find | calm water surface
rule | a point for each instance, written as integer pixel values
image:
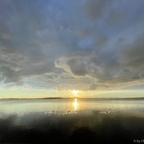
(71, 121)
(22, 107)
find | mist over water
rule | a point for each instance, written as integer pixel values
(71, 121)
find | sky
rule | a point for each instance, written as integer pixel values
(50, 47)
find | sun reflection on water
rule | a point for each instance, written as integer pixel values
(76, 105)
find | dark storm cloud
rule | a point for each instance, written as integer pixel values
(89, 44)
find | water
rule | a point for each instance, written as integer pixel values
(22, 107)
(69, 120)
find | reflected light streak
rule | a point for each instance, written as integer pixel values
(75, 104)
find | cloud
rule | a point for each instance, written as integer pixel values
(95, 8)
(121, 61)
(86, 44)
(21, 52)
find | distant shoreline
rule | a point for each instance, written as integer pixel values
(131, 98)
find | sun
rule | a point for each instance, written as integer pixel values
(75, 92)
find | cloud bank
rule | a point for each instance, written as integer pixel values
(86, 44)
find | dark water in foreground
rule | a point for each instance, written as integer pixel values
(71, 121)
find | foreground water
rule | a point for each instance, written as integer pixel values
(24, 106)
(72, 121)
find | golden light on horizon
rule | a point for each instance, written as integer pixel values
(75, 92)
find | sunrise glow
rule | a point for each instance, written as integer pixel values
(75, 92)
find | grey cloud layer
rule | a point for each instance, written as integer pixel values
(120, 61)
(83, 44)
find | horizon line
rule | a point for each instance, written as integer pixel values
(112, 98)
